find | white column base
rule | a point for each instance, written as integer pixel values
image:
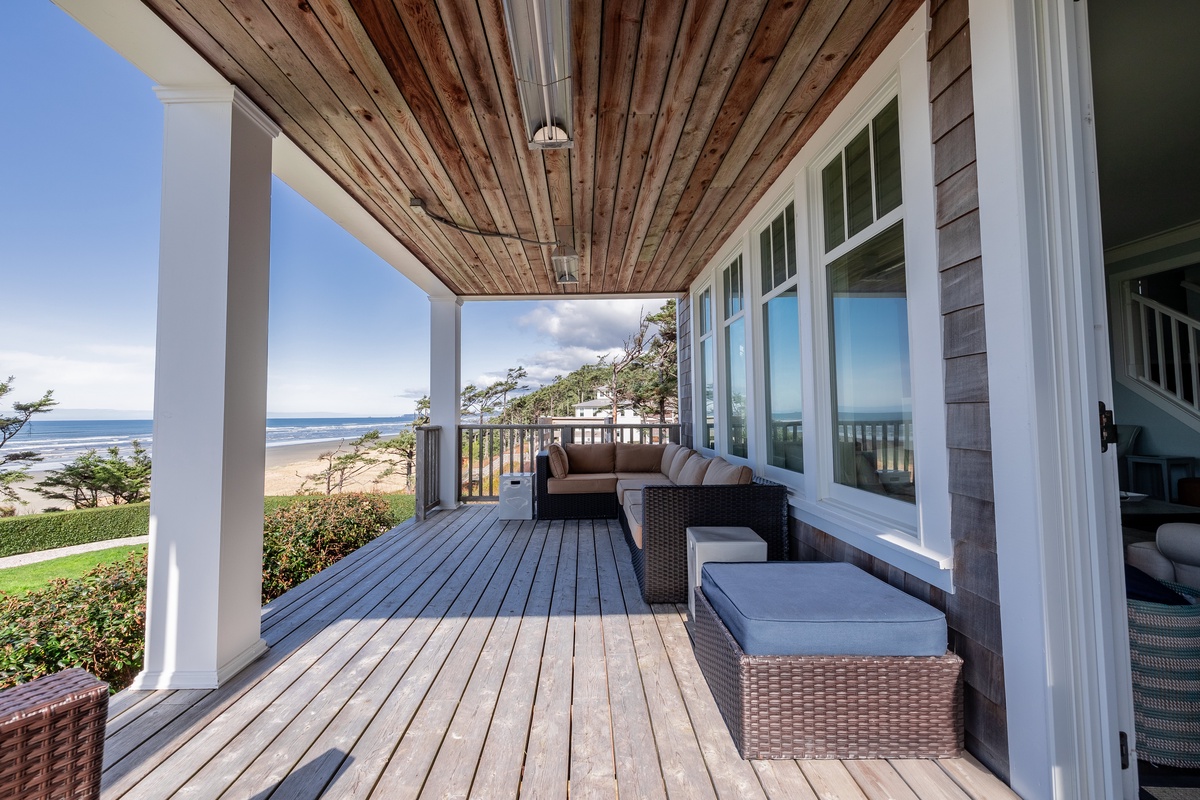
(206, 679)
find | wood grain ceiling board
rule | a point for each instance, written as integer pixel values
(685, 111)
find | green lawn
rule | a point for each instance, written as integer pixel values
(34, 576)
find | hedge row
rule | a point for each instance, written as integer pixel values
(98, 621)
(33, 532)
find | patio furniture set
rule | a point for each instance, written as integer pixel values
(805, 660)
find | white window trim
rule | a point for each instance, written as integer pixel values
(699, 418)
(923, 548)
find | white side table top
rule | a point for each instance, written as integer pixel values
(722, 534)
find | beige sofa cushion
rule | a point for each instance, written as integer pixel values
(681, 457)
(592, 457)
(632, 508)
(639, 457)
(583, 483)
(559, 466)
(721, 471)
(634, 481)
(668, 455)
(693, 471)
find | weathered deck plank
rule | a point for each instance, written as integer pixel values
(469, 656)
(547, 764)
(638, 771)
(499, 771)
(593, 767)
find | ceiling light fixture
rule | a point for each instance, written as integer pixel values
(564, 258)
(539, 39)
(566, 264)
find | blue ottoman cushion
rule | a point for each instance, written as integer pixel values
(784, 608)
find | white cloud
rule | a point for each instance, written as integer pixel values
(578, 332)
(599, 325)
(93, 376)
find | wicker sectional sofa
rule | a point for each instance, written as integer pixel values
(657, 492)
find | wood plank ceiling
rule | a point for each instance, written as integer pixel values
(685, 111)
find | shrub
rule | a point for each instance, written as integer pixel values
(33, 532)
(305, 537)
(97, 622)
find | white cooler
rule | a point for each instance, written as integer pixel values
(516, 496)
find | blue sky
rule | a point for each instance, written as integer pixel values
(79, 206)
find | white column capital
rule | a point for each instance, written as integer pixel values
(220, 93)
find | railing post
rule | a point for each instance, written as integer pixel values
(427, 493)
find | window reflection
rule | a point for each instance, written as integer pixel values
(781, 328)
(872, 390)
(735, 368)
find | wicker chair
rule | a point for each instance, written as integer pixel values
(1164, 645)
(668, 511)
(52, 737)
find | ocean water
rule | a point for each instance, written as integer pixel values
(60, 441)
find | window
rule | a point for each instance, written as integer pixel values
(703, 314)
(781, 342)
(870, 382)
(734, 322)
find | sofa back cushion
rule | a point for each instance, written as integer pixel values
(559, 466)
(591, 457)
(721, 471)
(668, 455)
(693, 471)
(639, 457)
(677, 463)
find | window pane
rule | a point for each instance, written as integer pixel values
(764, 259)
(735, 403)
(706, 382)
(789, 218)
(858, 183)
(835, 209)
(872, 392)
(704, 311)
(887, 157)
(781, 334)
(733, 288)
(778, 252)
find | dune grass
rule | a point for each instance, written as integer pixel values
(17, 580)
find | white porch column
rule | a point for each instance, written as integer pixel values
(206, 513)
(445, 382)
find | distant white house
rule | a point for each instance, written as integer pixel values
(601, 408)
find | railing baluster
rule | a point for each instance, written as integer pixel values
(1192, 363)
(1176, 357)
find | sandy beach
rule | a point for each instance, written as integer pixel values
(287, 469)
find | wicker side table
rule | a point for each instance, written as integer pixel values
(52, 737)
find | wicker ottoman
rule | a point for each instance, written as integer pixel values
(844, 707)
(52, 737)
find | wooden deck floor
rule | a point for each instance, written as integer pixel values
(469, 657)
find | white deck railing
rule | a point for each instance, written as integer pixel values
(490, 451)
